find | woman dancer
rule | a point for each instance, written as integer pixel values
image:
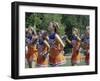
(86, 45)
(76, 57)
(31, 53)
(43, 50)
(56, 57)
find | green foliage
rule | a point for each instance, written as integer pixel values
(66, 22)
(42, 20)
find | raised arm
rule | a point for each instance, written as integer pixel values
(47, 44)
(59, 39)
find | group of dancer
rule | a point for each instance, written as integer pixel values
(43, 49)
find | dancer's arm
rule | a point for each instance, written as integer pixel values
(59, 39)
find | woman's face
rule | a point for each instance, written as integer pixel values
(50, 27)
(30, 31)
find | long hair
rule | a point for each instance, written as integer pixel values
(56, 27)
